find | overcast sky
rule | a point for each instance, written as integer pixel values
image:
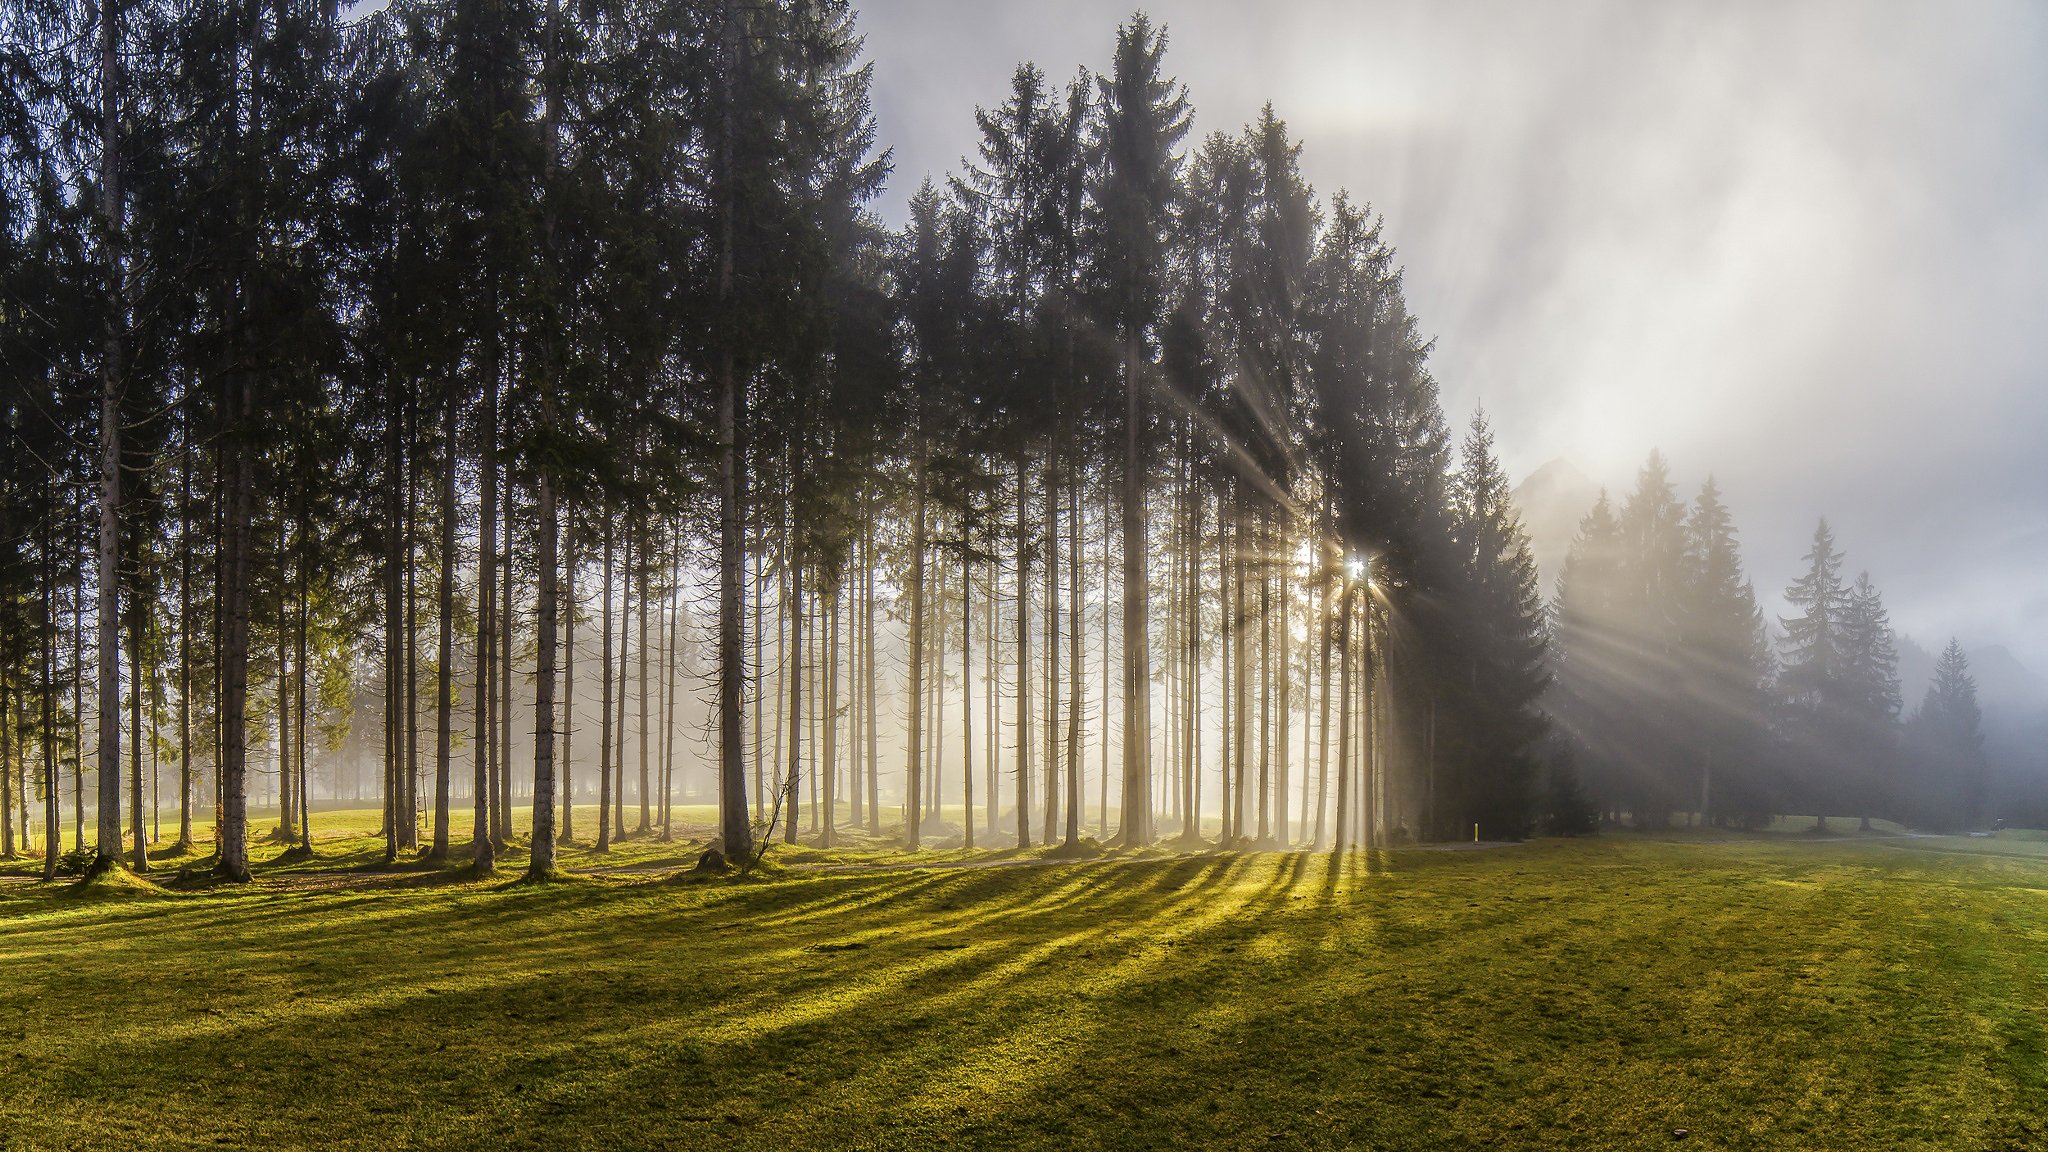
(1802, 246)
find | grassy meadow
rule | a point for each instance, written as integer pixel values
(1759, 992)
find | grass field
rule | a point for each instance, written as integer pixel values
(1606, 993)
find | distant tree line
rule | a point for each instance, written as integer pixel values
(368, 381)
(1675, 699)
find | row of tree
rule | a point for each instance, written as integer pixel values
(1675, 696)
(354, 369)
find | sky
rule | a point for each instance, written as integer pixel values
(1801, 246)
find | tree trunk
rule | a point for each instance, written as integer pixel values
(913, 806)
(1076, 697)
(409, 827)
(1023, 662)
(1050, 618)
(792, 777)
(1263, 543)
(234, 824)
(137, 613)
(1323, 699)
(569, 607)
(184, 646)
(617, 816)
(604, 736)
(1136, 831)
(542, 860)
(828, 760)
(966, 699)
(668, 691)
(108, 574)
(874, 749)
(1344, 719)
(501, 780)
(484, 851)
(734, 832)
(444, 674)
(646, 796)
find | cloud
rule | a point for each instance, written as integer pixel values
(1799, 245)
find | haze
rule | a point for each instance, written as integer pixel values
(1798, 247)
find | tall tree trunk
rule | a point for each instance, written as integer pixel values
(1076, 697)
(52, 846)
(1023, 660)
(617, 815)
(234, 824)
(444, 673)
(966, 699)
(394, 651)
(1263, 543)
(547, 527)
(542, 861)
(734, 832)
(828, 762)
(569, 610)
(646, 797)
(501, 779)
(7, 773)
(1193, 719)
(299, 696)
(1102, 775)
(484, 851)
(1282, 757)
(913, 805)
(137, 610)
(184, 645)
(1136, 830)
(1050, 621)
(409, 827)
(668, 690)
(990, 707)
(874, 749)
(604, 736)
(1344, 718)
(112, 366)
(1323, 703)
(759, 742)
(792, 777)
(287, 823)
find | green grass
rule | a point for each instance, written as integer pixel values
(1762, 993)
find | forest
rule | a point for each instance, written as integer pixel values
(1673, 694)
(551, 597)
(365, 375)
(461, 407)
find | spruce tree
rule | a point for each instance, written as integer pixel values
(1503, 644)
(1953, 784)
(1726, 664)
(1144, 115)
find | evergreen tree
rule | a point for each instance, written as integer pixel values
(1726, 664)
(1144, 115)
(1870, 701)
(1952, 788)
(1504, 645)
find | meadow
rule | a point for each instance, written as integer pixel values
(1773, 991)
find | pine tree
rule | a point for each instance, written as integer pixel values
(1726, 664)
(1592, 693)
(1503, 644)
(1953, 785)
(1870, 688)
(1144, 117)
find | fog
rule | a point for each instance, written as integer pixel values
(1801, 247)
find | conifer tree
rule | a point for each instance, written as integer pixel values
(1144, 117)
(1953, 784)
(1726, 664)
